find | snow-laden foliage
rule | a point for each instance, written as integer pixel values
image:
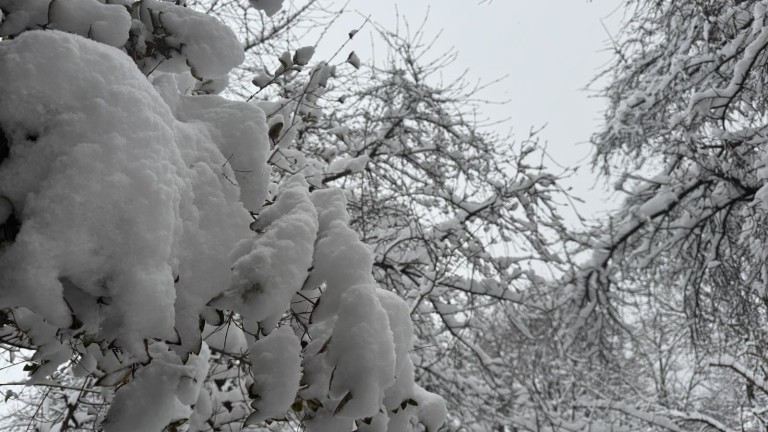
(660, 329)
(139, 263)
(463, 223)
(105, 23)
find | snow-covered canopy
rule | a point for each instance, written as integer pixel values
(134, 204)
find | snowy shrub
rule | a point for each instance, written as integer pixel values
(138, 256)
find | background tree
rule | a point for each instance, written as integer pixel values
(464, 223)
(674, 295)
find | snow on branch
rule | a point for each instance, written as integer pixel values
(143, 256)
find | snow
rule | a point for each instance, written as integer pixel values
(115, 194)
(350, 164)
(363, 355)
(228, 338)
(660, 202)
(141, 201)
(354, 60)
(160, 393)
(432, 409)
(341, 260)
(211, 86)
(89, 163)
(340, 132)
(272, 266)
(317, 369)
(719, 98)
(235, 127)
(270, 7)
(401, 326)
(49, 358)
(22, 15)
(360, 334)
(262, 79)
(216, 219)
(203, 410)
(286, 60)
(378, 423)
(206, 46)
(303, 55)
(104, 23)
(325, 421)
(276, 370)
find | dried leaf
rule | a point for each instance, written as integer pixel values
(347, 397)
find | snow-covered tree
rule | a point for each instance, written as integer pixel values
(461, 220)
(674, 298)
(159, 277)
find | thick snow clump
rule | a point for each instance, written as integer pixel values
(132, 208)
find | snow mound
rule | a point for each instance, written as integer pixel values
(350, 164)
(341, 260)
(276, 370)
(270, 268)
(116, 197)
(357, 361)
(105, 23)
(363, 354)
(160, 393)
(189, 39)
(140, 210)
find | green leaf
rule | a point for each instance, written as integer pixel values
(76, 323)
(193, 72)
(297, 406)
(314, 404)
(175, 425)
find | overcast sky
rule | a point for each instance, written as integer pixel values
(549, 49)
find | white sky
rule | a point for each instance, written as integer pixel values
(550, 50)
